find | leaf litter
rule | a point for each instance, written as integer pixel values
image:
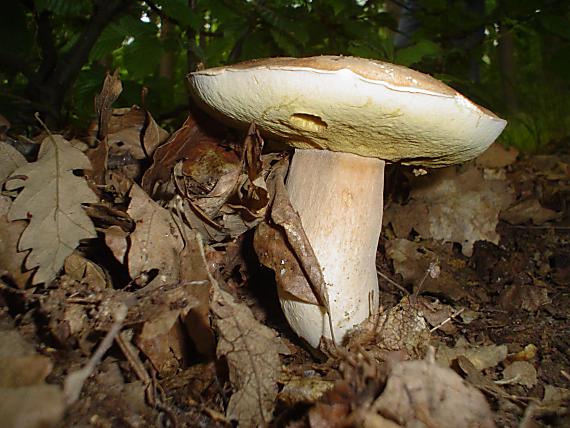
(473, 262)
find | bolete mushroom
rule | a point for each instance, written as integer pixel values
(345, 117)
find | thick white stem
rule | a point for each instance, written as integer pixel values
(339, 198)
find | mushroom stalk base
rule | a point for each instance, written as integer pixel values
(339, 198)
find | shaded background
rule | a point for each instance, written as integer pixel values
(512, 56)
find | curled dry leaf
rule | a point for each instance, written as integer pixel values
(272, 250)
(133, 132)
(112, 88)
(251, 351)
(236, 198)
(454, 204)
(99, 148)
(284, 247)
(51, 200)
(222, 194)
(183, 144)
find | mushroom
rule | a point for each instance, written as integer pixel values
(345, 117)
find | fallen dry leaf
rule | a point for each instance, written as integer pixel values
(528, 210)
(522, 373)
(78, 268)
(552, 167)
(529, 297)
(20, 365)
(497, 156)
(437, 314)
(194, 271)
(51, 200)
(477, 379)
(422, 393)
(11, 260)
(401, 328)
(227, 196)
(155, 243)
(306, 389)
(454, 204)
(161, 340)
(167, 311)
(116, 240)
(251, 352)
(555, 394)
(37, 406)
(25, 400)
(10, 160)
(482, 357)
(412, 260)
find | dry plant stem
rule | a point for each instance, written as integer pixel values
(74, 381)
(339, 198)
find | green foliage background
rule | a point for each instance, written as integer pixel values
(54, 53)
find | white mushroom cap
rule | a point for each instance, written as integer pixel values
(352, 105)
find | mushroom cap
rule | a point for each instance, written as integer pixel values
(347, 104)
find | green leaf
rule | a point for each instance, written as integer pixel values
(181, 12)
(285, 43)
(142, 56)
(88, 84)
(257, 45)
(65, 7)
(116, 33)
(414, 54)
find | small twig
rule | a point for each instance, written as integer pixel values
(394, 283)
(432, 270)
(445, 321)
(73, 383)
(205, 261)
(508, 381)
(130, 353)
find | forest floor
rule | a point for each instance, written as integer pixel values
(473, 330)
